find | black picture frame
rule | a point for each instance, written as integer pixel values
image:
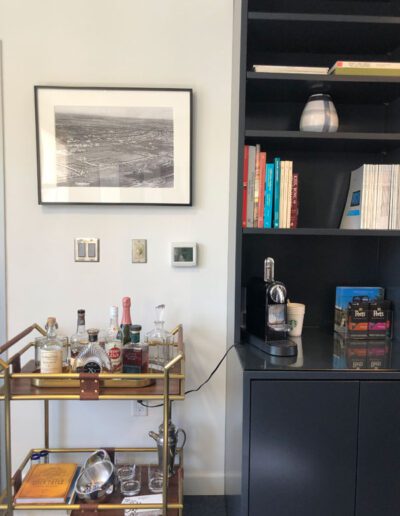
(117, 146)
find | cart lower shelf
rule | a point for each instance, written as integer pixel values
(112, 505)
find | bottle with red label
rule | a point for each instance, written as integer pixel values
(113, 344)
(136, 354)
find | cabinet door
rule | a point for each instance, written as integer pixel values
(378, 478)
(303, 443)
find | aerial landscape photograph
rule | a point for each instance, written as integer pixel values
(130, 147)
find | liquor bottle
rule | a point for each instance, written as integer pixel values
(159, 341)
(126, 321)
(64, 342)
(78, 339)
(93, 358)
(136, 353)
(113, 345)
(51, 351)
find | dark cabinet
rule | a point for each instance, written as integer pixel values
(378, 472)
(311, 443)
(303, 448)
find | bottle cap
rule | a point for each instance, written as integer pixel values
(51, 321)
(93, 333)
(81, 311)
(126, 301)
(113, 311)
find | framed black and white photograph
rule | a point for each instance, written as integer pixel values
(113, 145)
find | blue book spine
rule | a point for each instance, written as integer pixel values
(277, 185)
(269, 195)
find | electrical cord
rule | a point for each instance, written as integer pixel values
(200, 386)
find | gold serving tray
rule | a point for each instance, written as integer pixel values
(107, 382)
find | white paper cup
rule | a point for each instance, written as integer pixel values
(295, 313)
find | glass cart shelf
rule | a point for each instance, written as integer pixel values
(20, 381)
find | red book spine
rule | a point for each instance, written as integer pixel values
(263, 164)
(245, 179)
(294, 211)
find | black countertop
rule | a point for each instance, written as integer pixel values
(324, 354)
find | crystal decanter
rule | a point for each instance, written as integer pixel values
(159, 341)
(93, 358)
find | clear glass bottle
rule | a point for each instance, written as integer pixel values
(51, 351)
(92, 358)
(64, 342)
(113, 345)
(126, 321)
(136, 354)
(78, 339)
(160, 341)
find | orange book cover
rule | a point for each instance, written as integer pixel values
(47, 483)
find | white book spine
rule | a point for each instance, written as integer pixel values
(282, 190)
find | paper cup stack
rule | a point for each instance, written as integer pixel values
(295, 312)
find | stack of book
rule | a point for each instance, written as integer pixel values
(373, 201)
(270, 191)
(365, 68)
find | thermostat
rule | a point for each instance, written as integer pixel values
(184, 254)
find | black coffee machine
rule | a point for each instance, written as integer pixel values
(266, 313)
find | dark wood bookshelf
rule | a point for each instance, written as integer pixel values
(312, 260)
(319, 33)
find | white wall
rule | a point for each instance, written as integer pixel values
(170, 43)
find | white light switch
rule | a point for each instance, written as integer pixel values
(87, 250)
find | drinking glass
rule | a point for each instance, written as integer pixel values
(125, 472)
(132, 485)
(155, 479)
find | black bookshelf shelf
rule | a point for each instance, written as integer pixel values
(340, 35)
(344, 89)
(323, 18)
(371, 142)
(322, 232)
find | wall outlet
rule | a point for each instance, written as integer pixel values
(138, 409)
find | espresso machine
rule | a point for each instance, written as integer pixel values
(266, 314)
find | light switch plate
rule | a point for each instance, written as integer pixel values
(86, 249)
(139, 251)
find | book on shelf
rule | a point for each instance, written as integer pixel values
(373, 198)
(250, 185)
(48, 483)
(256, 186)
(270, 191)
(282, 194)
(368, 68)
(318, 70)
(277, 186)
(244, 186)
(269, 195)
(261, 195)
(294, 206)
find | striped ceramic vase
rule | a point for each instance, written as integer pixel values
(319, 115)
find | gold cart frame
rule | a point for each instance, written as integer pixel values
(12, 373)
